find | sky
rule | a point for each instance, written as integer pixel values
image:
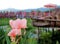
(25, 4)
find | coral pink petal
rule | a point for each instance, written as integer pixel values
(14, 32)
(23, 23)
(18, 23)
(11, 22)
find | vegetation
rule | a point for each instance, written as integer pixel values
(29, 38)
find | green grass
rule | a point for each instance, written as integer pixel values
(5, 21)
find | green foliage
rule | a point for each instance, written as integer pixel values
(46, 37)
(4, 39)
(4, 21)
(29, 24)
(32, 41)
(13, 42)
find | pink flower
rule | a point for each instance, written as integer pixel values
(18, 23)
(16, 26)
(14, 32)
(23, 23)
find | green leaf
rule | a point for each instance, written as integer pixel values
(32, 41)
(13, 42)
(7, 40)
